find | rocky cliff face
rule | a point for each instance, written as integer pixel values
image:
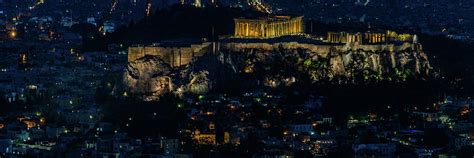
(149, 77)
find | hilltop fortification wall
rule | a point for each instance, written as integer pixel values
(152, 77)
(179, 56)
(322, 49)
(175, 56)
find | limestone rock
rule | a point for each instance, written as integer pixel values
(200, 82)
(148, 77)
(275, 65)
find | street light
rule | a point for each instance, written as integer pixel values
(13, 34)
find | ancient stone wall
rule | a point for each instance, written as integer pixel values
(322, 49)
(154, 75)
(175, 56)
(178, 56)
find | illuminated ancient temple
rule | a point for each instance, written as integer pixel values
(268, 27)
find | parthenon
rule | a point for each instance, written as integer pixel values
(268, 27)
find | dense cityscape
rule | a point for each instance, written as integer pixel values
(236, 78)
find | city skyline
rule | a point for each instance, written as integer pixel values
(236, 78)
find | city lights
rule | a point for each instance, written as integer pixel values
(236, 78)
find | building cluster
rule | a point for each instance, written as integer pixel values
(43, 75)
(253, 118)
(38, 21)
(299, 129)
(58, 83)
(294, 130)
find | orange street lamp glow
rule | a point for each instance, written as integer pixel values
(13, 34)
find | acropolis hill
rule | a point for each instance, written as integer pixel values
(204, 65)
